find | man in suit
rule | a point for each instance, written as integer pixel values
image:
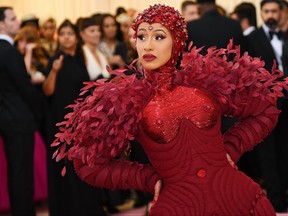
(267, 42)
(212, 29)
(189, 10)
(20, 108)
(245, 13)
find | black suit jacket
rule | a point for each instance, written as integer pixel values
(20, 102)
(212, 29)
(258, 45)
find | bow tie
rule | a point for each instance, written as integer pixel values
(278, 34)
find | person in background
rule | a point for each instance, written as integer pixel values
(245, 13)
(47, 30)
(190, 10)
(36, 58)
(66, 73)
(125, 22)
(95, 61)
(283, 23)
(212, 23)
(30, 20)
(120, 10)
(267, 42)
(110, 45)
(20, 111)
(221, 10)
(131, 45)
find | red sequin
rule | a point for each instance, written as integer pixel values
(201, 173)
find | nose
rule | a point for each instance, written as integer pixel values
(148, 45)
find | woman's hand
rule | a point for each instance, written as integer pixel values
(116, 59)
(30, 47)
(37, 78)
(231, 162)
(157, 189)
(57, 64)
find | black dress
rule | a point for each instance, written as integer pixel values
(68, 195)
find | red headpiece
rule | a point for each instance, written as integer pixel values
(171, 19)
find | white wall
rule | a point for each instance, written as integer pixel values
(72, 9)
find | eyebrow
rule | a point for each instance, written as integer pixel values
(157, 30)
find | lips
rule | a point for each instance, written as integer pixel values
(149, 57)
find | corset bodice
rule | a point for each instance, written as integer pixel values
(163, 114)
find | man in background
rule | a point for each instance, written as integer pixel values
(189, 10)
(20, 108)
(213, 29)
(267, 42)
(245, 13)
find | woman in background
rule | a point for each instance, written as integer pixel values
(110, 45)
(35, 57)
(96, 62)
(66, 73)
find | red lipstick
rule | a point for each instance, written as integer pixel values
(149, 57)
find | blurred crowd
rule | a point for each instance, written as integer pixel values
(60, 57)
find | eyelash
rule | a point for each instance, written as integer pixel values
(157, 37)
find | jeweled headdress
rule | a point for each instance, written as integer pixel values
(171, 19)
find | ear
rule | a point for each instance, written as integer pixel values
(2, 24)
(82, 35)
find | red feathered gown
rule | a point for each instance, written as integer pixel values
(179, 128)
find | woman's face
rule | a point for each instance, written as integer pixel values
(67, 39)
(21, 46)
(91, 35)
(109, 27)
(48, 30)
(154, 45)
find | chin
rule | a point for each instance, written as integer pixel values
(150, 67)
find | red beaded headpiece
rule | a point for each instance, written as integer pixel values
(171, 19)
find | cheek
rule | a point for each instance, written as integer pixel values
(73, 40)
(167, 50)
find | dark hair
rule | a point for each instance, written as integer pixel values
(284, 4)
(68, 23)
(79, 53)
(49, 20)
(187, 3)
(120, 10)
(279, 2)
(2, 12)
(87, 22)
(98, 18)
(246, 10)
(119, 33)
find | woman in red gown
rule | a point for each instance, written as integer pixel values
(175, 114)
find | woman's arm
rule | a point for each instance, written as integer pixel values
(117, 174)
(49, 84)
(257, 120)
(28, 56)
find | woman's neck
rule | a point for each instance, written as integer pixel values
(110, 40)
(69, 51)
(91, 47)
(162, 77)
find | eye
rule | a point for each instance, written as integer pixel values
(141, 37)
(160, 37)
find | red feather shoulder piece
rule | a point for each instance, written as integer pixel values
(103, 123)
(230, 77)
